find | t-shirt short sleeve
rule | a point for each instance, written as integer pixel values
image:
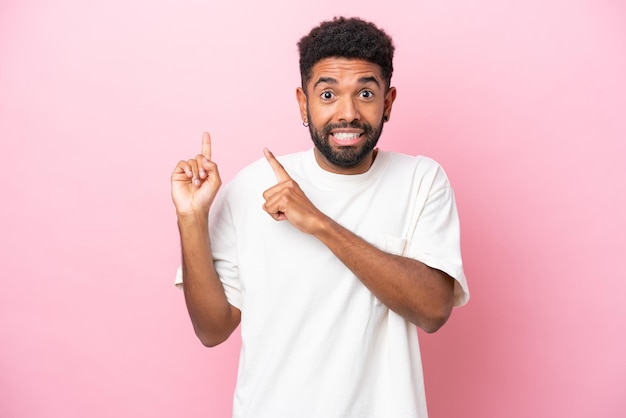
(435, 237)
(224, 251)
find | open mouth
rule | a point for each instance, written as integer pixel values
(346, 138)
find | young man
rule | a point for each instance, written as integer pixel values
(329, 257)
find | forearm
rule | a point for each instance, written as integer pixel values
(213, 318)
(420, 294)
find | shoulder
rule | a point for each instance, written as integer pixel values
(415, 172)
(418, 165)
(410, 160)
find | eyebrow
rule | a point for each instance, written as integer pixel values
(362, 80)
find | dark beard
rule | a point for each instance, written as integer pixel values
(345, 156)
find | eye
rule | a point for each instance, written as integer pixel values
(327, 95)
(366, 94)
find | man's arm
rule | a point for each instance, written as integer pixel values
(420, 294)
(194, 186)
(417, 292)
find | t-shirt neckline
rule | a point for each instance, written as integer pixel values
(327, 179)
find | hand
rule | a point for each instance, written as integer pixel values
(286, 201)
(196, 182)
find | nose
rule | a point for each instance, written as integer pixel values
(348, 110)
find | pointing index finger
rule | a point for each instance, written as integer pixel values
(279, 170)
(206, 145)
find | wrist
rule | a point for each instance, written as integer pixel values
(324, 227)
(193, 217)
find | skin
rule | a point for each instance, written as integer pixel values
(195, 183)
(345, 95)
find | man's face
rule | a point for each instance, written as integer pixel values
(345, 104)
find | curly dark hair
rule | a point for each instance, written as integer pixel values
(346, 38)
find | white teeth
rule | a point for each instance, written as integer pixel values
(345, 136)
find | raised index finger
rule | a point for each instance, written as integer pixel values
(279, 170)
(206, 145)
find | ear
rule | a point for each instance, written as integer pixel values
(390, 97)
(301, 96)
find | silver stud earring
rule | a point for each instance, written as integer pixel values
(305, 124)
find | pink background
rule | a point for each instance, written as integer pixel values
(523, 102)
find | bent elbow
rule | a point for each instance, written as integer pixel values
(210, 340)
(210, 343)
(217, 330)
(433, 326)
(211, 336)
(435, 321)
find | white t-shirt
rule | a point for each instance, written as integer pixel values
(315, 341)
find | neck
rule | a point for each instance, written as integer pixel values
(359, 168)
